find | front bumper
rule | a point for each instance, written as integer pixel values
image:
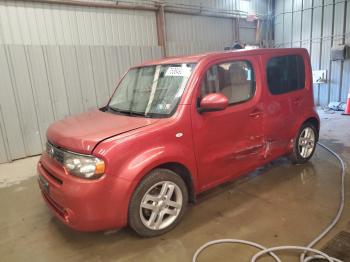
(84, 205)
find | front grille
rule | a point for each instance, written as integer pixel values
(56, 179)
(56, 207)
(55, 153)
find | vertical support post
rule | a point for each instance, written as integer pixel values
(301, 24)
(233, 31)
(312, 25)
(257, 32)
(237, 30)
(342, 62)
(271, 18)
(160, 20)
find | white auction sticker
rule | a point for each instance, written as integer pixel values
(178, 71)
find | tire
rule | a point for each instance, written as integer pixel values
(158, 203)
(298, 156)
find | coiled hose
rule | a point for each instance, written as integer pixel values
(303, 257)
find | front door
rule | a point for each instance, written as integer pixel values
(231, 141)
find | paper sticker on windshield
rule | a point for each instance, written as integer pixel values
(178, 71)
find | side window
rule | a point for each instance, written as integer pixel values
(235, 80)
(285, 74)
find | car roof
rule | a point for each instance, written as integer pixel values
(217, 55)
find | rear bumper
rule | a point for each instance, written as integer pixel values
(84, 205)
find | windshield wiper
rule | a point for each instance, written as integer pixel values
(118, 110)
(128, 112)
(134, 113)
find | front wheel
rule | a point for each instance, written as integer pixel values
(304, 144)
(158, 203)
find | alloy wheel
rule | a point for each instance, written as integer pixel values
(161, 205)
(306, 142)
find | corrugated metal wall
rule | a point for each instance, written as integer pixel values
(57, 60)
(317, 25)
(257, 6)
(188, 34)
(41, 84)
(28, 23)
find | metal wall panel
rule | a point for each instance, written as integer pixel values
(247, 32)
(40, 90)
(25, 22)
(316, 44)
(113, 69)
(346, 68)
(306, 25)
(337, 66)
(279, 23)
(72, 81)
(41, 84)
(57, 82)
(99, 75)
(288, 23)
(325, 50)
(297, 21)
(320, 24)
(9, 120)
(188, 34)
(25, 99)
(224, 4)
(260, 6)
(85, 77)
(279, 26)
(250, 6)
(3, 150)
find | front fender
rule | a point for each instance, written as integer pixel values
(141, 164)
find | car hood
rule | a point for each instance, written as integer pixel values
(81, 133)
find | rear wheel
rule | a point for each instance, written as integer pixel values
(304, 144)
(158, 203)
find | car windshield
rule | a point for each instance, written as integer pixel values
(151, 91)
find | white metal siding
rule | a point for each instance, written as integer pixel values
(248, 6)
(317, 25)
(188, 34)
(28, 23)
(41, 84)
(58, 60)
(247, 31)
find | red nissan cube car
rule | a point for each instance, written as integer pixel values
(173, 129)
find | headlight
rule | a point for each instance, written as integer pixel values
(83, 166)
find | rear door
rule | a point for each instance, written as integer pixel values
(285, 99)
(230, 141)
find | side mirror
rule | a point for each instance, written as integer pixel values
(213, 102)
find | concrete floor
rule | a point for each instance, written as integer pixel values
(278, 204)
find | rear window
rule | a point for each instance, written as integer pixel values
(285, 74)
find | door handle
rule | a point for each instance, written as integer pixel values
(297, 101)
(255, 113)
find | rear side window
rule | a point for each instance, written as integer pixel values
(285, 74)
